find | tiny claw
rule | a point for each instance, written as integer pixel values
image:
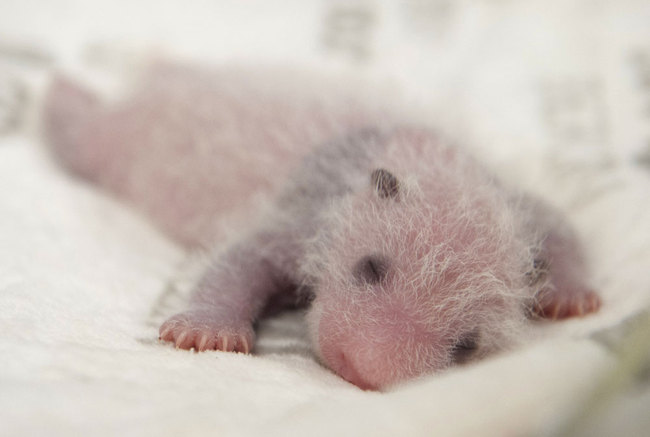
(244, 344)
(180, 339)
(201, 346)
(224, 344)
(163, 334)
(555, 311)
(578, 309)
(594, 302)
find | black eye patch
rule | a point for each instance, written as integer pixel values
(386, 185)
(371, 269)
(538, 272)
(465, 347)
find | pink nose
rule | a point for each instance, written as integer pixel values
(344, 367)
(366, 356)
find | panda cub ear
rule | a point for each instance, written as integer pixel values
(385, 184)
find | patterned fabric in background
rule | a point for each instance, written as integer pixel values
(553, 94)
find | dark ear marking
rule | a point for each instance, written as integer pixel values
(385, 183)
(371, 269)
(465, 347)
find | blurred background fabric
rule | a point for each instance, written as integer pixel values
(554, 95)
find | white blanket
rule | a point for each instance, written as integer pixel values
(554, 95)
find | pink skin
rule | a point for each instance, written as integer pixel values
(415, 268)
(390, 338)
(146, 149)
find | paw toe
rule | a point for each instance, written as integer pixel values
(592, 303)
(243, 345)
(203, 342)
(185, 339)
(165, 333)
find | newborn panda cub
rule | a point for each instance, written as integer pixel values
(411, 255)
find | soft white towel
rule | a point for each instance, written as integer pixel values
(552, 94)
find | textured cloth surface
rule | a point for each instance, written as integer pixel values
(553, 95)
